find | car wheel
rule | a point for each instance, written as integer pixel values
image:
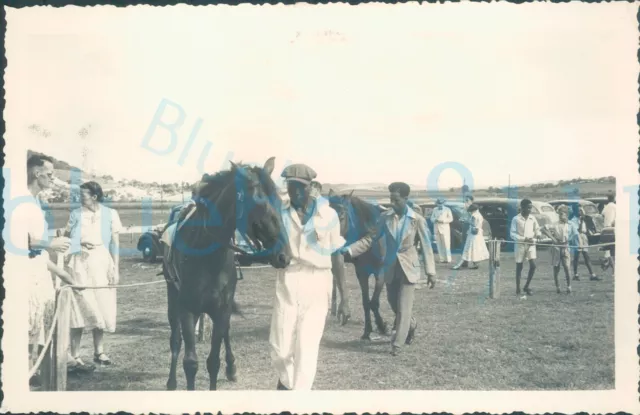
(148, 254)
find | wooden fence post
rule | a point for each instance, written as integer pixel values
(61, 340)
(494, 269)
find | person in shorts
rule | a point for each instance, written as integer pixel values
(561, 233)
(524, 232)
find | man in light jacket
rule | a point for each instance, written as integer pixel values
(303, 289)
(401, 267)
(441, 217)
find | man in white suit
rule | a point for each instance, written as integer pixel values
(303, 289)
(441, 217)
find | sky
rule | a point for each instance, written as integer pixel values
(363, 94)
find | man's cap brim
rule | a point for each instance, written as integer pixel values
(299, 180)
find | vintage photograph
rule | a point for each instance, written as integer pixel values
(376, 198)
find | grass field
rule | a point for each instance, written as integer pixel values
(464, 340)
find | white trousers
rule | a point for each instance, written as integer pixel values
(302, 300)
(443, 242)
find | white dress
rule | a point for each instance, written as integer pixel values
(475, 248)
(93, 309)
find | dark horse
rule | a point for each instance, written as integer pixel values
(357, 219)
(199, 265)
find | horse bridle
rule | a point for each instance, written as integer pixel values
(238, 217)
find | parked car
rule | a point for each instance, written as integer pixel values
(458, 227)
(600, 202)
(544, 208)
(499, 212)
(591, 212)
(150, 246)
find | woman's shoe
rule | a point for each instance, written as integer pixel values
(102, 359)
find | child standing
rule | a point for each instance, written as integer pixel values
(581, 240)
(561, 233)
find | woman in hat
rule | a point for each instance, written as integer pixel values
(475, 248)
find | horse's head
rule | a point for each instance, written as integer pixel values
(257, 207)
(357, 217)
(258, 212)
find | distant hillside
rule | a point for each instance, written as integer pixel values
(135, 190)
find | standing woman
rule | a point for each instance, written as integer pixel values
(475, 248)
(582, 242)
(94, 229)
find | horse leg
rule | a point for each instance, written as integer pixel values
(230, 358)
(363, 280)
(220, 328)
(190, 360)
(175, 341)
(334, 297)
(375, 306)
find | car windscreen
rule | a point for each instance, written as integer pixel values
(590, 209)
(458, 211)
(546, 208)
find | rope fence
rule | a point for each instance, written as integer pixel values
(494, 247)
(54, 352)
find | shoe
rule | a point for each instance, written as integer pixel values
(281, 387)
(558, 290)
(35, 381)
(528, 291)
(395, 351)
(576, 278)
(518, 292)
(78, 366)
(568, 290)
(594, 278)
(412, 333)
(101, 359)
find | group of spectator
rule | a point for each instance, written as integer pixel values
(569, 237)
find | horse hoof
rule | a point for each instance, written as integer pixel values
(232, 375)
(383, 329)
(366, 337)
(172, 385)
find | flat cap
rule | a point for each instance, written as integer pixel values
(300, 173)
(440, 201)
(402, 188)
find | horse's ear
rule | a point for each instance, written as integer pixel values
(269, 166)
(332, 193)
(351, 194)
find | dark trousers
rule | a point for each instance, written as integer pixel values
(400, 293)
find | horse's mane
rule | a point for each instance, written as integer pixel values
(218, 191)
(364, 215)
